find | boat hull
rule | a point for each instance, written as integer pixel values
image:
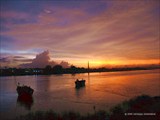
(24, 90)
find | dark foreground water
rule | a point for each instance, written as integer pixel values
(57, 92)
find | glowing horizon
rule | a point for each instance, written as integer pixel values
(97, 64)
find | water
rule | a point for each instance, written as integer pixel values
(57, 92)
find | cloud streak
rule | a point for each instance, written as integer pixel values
(123, 31)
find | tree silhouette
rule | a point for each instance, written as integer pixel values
(58, 69)
(48, 69)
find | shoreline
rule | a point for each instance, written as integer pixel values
(139, 107)
(118, 70)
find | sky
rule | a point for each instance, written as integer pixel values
(103, 32)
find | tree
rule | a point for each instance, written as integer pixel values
(48, 69)
(58, 69)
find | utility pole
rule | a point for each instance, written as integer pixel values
(88, 67)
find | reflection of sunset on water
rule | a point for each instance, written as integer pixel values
(103, 90)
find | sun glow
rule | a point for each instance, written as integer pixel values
(111, 63)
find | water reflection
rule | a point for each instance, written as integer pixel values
(43, 84)
(26, 102)
(102, 90)
(80, 91)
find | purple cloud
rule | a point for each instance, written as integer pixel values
(119, 31)
(4, 60)
(42, 60)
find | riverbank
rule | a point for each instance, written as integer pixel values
(142, 107)
(40, 71)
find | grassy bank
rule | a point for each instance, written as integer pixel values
(139, 108)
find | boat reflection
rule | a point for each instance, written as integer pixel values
(79, 92)
(25, 101)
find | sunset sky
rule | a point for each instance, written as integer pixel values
(104, 32)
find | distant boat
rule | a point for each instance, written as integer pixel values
(24, 90)
(80, 83)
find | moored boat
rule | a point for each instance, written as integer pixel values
(24, 90)
(80, 83)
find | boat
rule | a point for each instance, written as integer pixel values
(80, 83)
(25, 95)
(24, 90)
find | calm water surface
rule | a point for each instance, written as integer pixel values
(57, 92)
